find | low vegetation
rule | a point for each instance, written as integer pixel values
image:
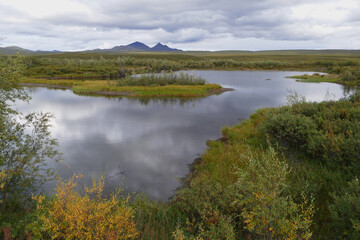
(131, 89)
(162, 79)
(112, 66)
(348, 75)
(72, 215)
(79, 69)
(286, 173)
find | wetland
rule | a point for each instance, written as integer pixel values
(147, 144)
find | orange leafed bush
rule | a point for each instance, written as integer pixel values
(71, 215)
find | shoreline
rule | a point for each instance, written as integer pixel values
(210, 92)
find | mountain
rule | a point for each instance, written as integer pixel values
(133, 47)
(12, 50)
(138, 47)
(163, 48)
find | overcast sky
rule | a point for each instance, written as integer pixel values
(185, 24)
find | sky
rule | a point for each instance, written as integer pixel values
(73, 25)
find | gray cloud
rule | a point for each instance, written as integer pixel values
(185, 23)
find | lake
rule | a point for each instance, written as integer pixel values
(146, 145)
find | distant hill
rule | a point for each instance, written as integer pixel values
(141, 47)
(133, 47)
(13, 50)
(137, 47)
(163, 48)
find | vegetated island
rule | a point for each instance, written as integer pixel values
(150, 85)
(348, 76)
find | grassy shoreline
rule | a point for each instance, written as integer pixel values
(322, 142)
(110, 88)
(330, 78)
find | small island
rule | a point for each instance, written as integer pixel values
(348, 76)
(146, 85)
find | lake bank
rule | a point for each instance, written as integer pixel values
(252, 179)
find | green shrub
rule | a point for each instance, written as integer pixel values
(350, 74)
(266, 209)
(345, 212)
(291, 131)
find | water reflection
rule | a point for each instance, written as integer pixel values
(151, 142)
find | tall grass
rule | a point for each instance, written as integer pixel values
(162, 79)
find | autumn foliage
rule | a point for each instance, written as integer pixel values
(71, 215)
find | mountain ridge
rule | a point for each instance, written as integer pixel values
(132, 47)
(159, 47)
(141, 47)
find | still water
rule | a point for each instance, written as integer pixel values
(147, 144)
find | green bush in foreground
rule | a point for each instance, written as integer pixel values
(89, 215)
(256, 205)
(327, 143)
(346, 212)
(266, 209)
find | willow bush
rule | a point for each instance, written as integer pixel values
(72, 215)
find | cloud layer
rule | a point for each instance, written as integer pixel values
(185, 24)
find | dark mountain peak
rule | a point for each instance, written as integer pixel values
(139, 45)
(159, 45)
(161, 48)
(133, 47)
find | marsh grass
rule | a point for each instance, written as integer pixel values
(103, 66)
(162, 79)
(100, 87)
(151, 91)
(317, 78)
(331, 78)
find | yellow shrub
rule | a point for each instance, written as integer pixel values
(71, 215)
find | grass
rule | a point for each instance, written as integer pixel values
(318, 78)
(100, 87)
(162, 79)
(101, 65)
